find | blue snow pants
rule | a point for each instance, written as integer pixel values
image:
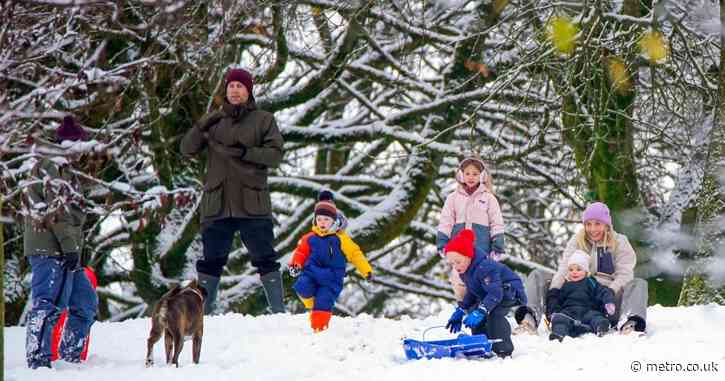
(54, 289)
(325, 295)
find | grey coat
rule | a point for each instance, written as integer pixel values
(236, 185)
(59, 233)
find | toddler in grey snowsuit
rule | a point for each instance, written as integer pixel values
(581, 305)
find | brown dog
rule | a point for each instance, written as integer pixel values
(178, 315)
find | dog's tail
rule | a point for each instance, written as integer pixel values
(164, 307)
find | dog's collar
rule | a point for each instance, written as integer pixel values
(196, 292)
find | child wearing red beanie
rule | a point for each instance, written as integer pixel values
(491, 290)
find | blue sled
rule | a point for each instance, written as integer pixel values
(468, 346)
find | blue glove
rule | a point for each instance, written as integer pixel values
(475, 318)
(454, 323)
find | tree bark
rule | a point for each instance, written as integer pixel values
(2, 295)
(700, 286)
(602, 136)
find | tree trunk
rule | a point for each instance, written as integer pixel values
(603, 140)
(700, 286)
(2, 295)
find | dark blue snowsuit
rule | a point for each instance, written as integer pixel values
(494, 287)
(578, 308)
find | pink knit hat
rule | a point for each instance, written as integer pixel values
(597, 211)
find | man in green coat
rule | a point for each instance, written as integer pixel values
(243, 142)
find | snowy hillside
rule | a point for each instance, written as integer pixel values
(282, 347)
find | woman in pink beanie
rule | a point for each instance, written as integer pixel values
(612, 264)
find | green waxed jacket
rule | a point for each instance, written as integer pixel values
(236, 185)
(63, 232)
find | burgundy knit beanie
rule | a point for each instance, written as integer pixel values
(240, 75)
(70, 130)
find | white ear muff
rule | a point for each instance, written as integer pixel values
(459, 172)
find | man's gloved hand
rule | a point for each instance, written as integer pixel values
(71, 261)
(205, 127)
(475, 318)
(454, 323)
(294, 271)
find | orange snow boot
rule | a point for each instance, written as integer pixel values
(319, 320)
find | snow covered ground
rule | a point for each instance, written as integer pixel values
(282, 347)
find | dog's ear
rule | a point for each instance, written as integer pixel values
(175, 289)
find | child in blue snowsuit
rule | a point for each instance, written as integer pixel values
(580, 305)
(320, 260)
(491, 290)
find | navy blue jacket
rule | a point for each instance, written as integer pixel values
(585, 294)
(489, 283)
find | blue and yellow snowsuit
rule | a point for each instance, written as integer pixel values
(323, 256)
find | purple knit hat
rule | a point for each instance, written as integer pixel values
(597, 211)
(70, 130)
(240, 75)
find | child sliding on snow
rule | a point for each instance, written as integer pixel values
(320, 260)
(491, 290)
(581, 303)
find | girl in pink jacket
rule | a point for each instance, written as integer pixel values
(472, 206)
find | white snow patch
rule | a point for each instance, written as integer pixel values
(283, 347)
